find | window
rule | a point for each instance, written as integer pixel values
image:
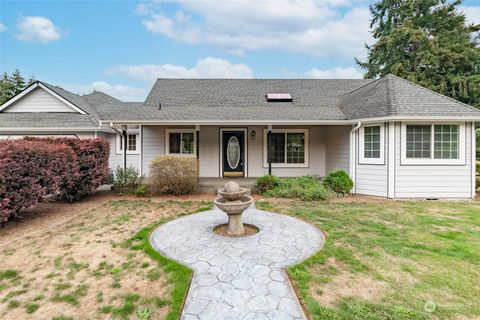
(433, 143)
(132, 143)
(288, 148)
(180, 141)
(446, 141)
(419, 141)
(371, 144)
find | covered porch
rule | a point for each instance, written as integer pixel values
(251, 151)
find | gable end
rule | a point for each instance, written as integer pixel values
(39, 99)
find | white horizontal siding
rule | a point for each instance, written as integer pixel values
(39, 100)
(116, 160)
(430, 181)
(371, 179)
(153, 145)
(209, 149)
(337, 148)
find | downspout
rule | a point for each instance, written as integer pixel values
(352, 155)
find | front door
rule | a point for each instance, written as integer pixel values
(233, 146)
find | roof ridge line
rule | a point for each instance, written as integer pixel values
(435, 92)
(367, 84)
(391, 97)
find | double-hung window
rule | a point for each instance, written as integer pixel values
(133, 147)
(288, 148)
(433, 144)
(180, 142)
(371, 144)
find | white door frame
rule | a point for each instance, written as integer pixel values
(245, 147)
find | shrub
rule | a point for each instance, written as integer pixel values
(338, 181)
(92, 158)
(32, 171)
(267, 182)
(306, 188)
(177, 175)
(478, 167)
(126, 181)
(141, 190)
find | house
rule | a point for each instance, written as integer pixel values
(396, 139)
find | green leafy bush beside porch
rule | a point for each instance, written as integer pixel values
(307, 188)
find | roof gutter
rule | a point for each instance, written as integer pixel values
(115, 129)
(40, 129)
(295, 122)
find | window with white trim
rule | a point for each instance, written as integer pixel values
(180, 141)
(132, 143)
(288, 148)
(372, 144)
(433, 143)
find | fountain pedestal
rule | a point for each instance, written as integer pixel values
(233, 202)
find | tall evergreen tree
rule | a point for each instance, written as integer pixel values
(18, 81)
(7, 88)
(427, 42)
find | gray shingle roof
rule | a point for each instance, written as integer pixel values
(244, 100)
(392, 96)
(47, 120)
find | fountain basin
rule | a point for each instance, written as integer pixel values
(233, 207)
(233, 195)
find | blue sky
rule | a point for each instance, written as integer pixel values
(120, 47)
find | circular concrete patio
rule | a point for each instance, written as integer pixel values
(239, 278)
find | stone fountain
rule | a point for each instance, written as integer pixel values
(233, 201)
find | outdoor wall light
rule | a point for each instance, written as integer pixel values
(253, 135)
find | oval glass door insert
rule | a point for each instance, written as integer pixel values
(233, 152)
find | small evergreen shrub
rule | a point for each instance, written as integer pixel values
(338, 181)
(141, 190)
(126, 181)
(173, 174)
(267, 182)
(478, 167)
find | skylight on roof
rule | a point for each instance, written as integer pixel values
(279, 97)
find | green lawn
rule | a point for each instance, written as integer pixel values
(389, 260)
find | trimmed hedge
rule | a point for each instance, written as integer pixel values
(92, 158)
(33, 169)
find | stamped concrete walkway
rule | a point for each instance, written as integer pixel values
(239, 278)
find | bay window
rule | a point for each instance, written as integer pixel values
(433, 144)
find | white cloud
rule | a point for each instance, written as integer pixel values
(472, 13)
(3, 27)
(205, 68)
(306, 26)
(334, 73)
(121, 92)
(37, 29)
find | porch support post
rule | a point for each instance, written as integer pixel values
(197, 130)
(269, 151)
(124, 133)
(197, 148)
